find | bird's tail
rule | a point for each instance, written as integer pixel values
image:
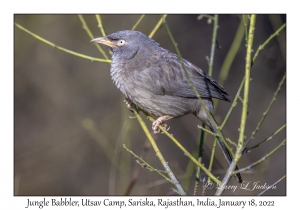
(225, 151)
(228, 158)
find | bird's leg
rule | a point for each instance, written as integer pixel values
(160, 122)
(128, 104)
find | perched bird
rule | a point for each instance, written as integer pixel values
(153, 79)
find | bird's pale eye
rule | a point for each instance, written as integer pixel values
(121, 42)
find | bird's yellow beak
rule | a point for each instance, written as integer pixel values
(103, 40)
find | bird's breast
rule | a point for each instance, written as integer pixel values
(117, 76)
(122, 77)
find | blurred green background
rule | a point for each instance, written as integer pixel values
(70, 121)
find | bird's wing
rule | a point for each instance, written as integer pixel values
(168, 78)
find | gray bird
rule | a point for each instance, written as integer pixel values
(153, 79)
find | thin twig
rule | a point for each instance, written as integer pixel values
(245, 19)
(137, 171)
(211, 161)
(161, 20)
(231, 142)
(208, 131)
(267, 41)
(158, 153)
(247, 82)
(271, 186)
(86, 28)
(234, 103)
(239, 150)
(98, 17)
(260, 160)
(266, 112)
(61, 48)
(247, 150)
(240, 98)
(213, 45)
(200, 154)
(138, 22)
(144, 164)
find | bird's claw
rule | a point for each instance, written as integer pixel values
(157, 123)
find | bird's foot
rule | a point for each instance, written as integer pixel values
(160, 122)
(128, 104)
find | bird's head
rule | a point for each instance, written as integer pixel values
(126, 44)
